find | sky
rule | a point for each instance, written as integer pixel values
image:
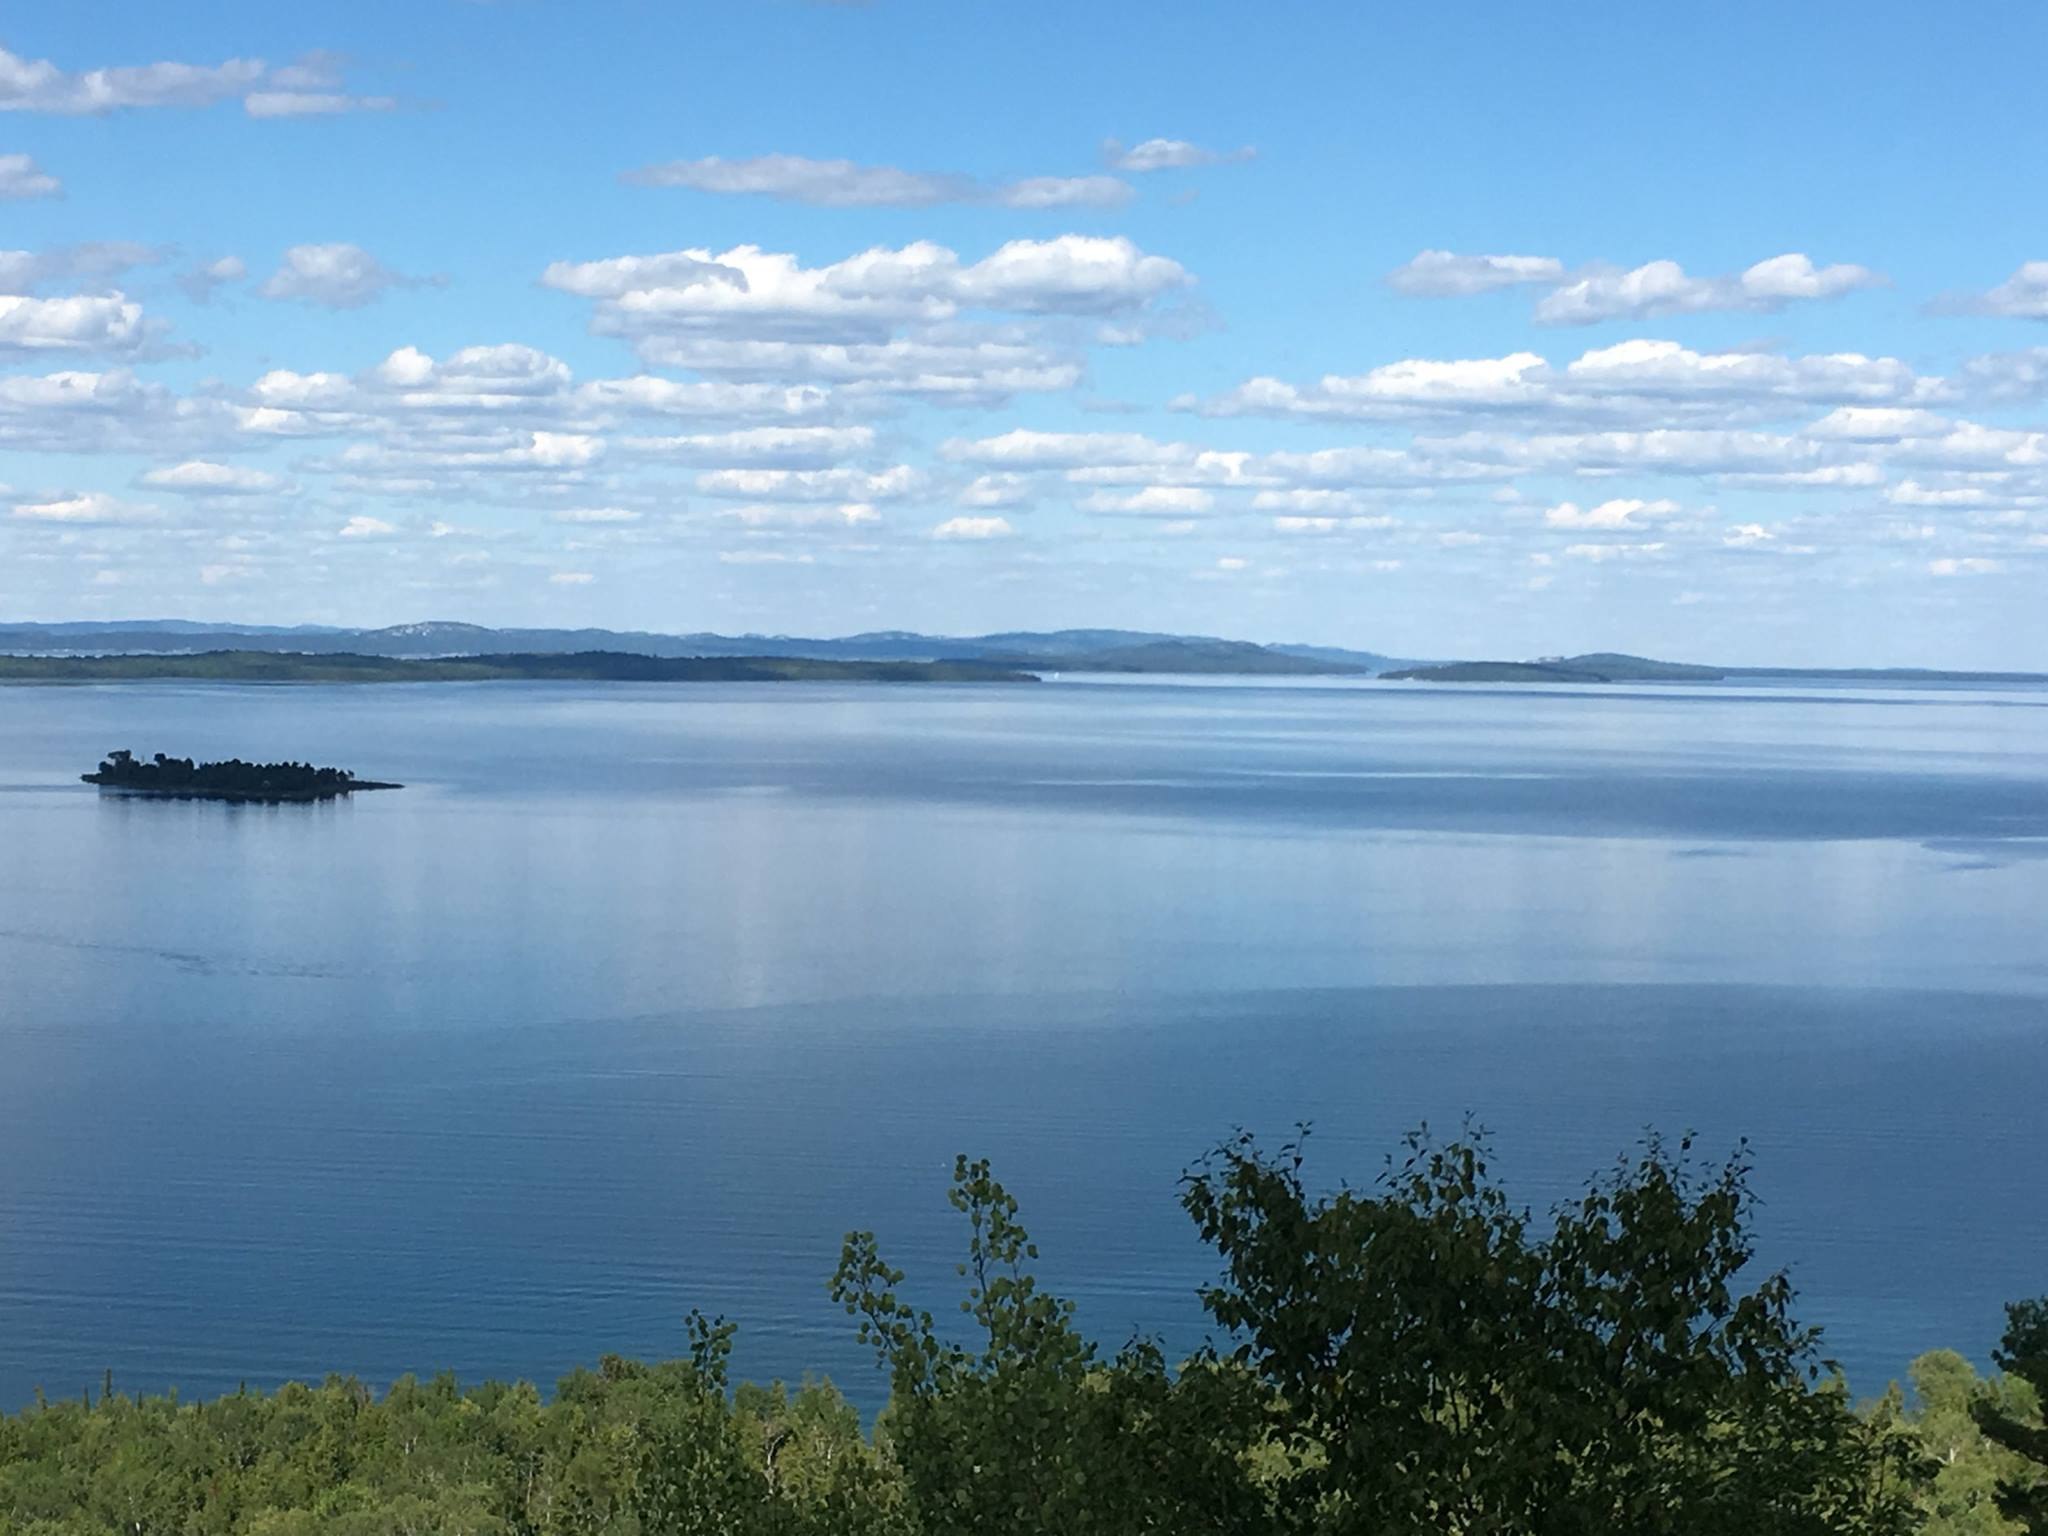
(1717, 333)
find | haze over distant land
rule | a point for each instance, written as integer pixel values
(1106, 650)
(1135, 332)
(134, 650)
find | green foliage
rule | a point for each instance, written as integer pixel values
(626, 1449)
(1438, 1364)
(1031, 1430)
(1961, 1466)
(2015, 1424)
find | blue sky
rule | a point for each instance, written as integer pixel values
(1716, 335)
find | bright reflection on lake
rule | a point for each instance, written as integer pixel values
(638, 997)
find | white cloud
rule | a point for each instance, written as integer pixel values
(91, 263)
(849, 184)
(1448, 275)
(313, 103)
(2023, 296)
(747, 291)
(203, 477)
(1153, 501)
(334, 276)
(367, 528)
(1024, 448)
(1166, 155)
(1968, 565)
(1912, 493)
(38, 85)
(1664, 288)
(798, 179)
(841, 484)
(202, 280)
(1632, 382)
(973, 528)
(597, 515)
(1624, 513)
(786, 447)
(572, 578)
(2009, 375)
(1600, 553)
(90, 507)
(1065, 192)
(21, 177)
(998, 490)
(80, 323)
(852, 514)
(762, 557)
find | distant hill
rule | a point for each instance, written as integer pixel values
(1075, 650)
(558, 666)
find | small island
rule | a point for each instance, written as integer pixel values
(181, 778)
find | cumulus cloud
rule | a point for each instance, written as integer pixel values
(80, 323)
(2008, 375)
(1622, 514)
(1965, 565)
(1153, 501)
(1448, 275)
(204, 477)
(89, 507)
(973, 528)
(844, 483)
(747, 291)
(1664, 288)
(367, 528)
(1641, 381)
(849, 184)
(333, 276)
(1600, 292)
(913, 321)
(1166, 155)
(38, 85)
(2023, 296)
(21, 177)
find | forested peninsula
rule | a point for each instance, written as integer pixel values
(1418, 1356)
(583, 666)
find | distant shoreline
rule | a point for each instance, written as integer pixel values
(588, 666)
(1637, 669)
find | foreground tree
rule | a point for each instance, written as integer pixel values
(1032, 1431)
(2019, 1426)
(1439, 1364)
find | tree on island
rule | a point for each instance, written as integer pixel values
(232, 779)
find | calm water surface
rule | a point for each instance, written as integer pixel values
(639, 997)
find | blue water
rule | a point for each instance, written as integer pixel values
(638, 997)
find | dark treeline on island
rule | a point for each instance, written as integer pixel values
(1419, 1358)
(234, 779)
(583, 666)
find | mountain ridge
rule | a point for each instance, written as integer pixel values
(1116, 650)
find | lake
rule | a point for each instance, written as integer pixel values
(638, 997)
